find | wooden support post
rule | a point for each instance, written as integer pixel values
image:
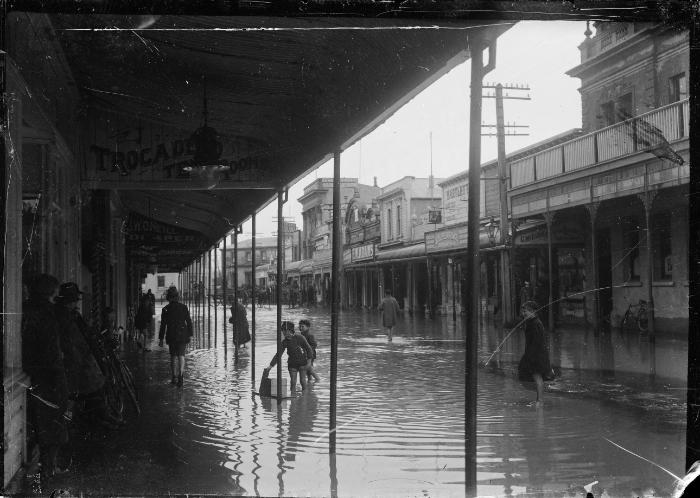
(234, 308)
(252, 311)
(477, 43)
(216, 304)
(278, 288)
(335, 299)
(224, 283)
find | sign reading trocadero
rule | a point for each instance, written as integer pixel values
(157, 157)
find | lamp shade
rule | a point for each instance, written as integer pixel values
(207, 149)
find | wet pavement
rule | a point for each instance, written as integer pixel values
(615, 416)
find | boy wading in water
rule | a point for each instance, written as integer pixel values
(298, 354)
(176, 327)
(304, 326)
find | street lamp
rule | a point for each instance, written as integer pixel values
(491, 228)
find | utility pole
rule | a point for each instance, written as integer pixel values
(506, 256)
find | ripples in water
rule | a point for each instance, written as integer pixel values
(400, 422)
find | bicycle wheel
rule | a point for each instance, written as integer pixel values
(113, 398)
(127, 380)
(643, 320)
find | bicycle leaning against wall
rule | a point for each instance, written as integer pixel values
(636, 317)
(119, 381)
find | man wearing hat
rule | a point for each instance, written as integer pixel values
(42, 358)
(176, 328)
(85, 378)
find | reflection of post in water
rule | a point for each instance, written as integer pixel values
(302, 414)
(253, 433)
(605, 353)
(652, 357)
(280, 444)
(333, 471)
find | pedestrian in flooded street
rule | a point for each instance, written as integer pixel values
(239, 320)
(42, 358)
(298, 354)
(304, 329)
(176, 328)
(390, 312)
(534, 364)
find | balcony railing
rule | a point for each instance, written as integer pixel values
(602, 145)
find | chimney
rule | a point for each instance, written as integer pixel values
(375, 182)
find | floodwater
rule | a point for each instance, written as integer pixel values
(400, 420)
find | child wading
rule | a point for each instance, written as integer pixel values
(534, 365)
(304, 326)
(299, 353)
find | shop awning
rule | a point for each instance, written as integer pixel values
(282, 94)
(293, 267)
(403, 254)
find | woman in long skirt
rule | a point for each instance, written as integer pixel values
(534, 365)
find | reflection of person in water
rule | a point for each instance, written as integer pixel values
(302, 414)
(538, 451)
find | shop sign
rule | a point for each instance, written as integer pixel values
(362, 253)
(565, 233)
(143, 231)
(446, 238)
(122, 155)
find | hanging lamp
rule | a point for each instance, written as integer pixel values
(207, 149)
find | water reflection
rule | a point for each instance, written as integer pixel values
(400, 417)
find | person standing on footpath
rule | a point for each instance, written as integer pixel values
(142, 322)
(42, 359)
(534, 364)
(304, 327)
(176, 327)
(152, 302)
(84, 374)
(390, 312)
(525, 293)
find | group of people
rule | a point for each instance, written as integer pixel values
(301, 354)
(64, 358)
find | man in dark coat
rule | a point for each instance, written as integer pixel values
(42, 359)
(390, 311)
(82, 353)
(176, 328)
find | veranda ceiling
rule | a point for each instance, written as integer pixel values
(287, 90)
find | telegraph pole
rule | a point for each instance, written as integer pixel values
(506, 256)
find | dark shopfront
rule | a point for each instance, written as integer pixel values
(403, 271)
(570, 303)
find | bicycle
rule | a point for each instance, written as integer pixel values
(636, 314)
(118, 380)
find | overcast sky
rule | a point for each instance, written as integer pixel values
(532, 53)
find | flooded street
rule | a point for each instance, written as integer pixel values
(400, 421)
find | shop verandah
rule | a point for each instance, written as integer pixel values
(108, 180)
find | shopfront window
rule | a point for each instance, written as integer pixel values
(389, 232)
(661, 246)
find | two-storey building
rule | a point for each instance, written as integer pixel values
(405, 207)
(612, 204)
(317, 204)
